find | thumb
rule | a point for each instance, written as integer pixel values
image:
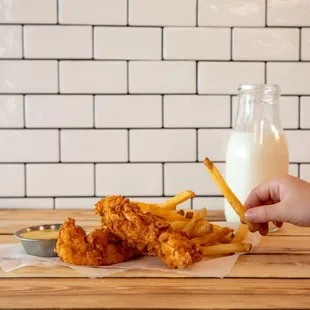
(264, 214)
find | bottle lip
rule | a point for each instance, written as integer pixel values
(267, 89)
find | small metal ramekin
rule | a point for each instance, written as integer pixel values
(38, 247)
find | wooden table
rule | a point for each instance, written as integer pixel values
(275, 276)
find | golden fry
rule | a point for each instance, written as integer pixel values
(143, 206)
(181, 212)
(227, 239)
(167, 214)
(217, 227)
(211, 238)
(178, 225)
(202, 227)
(240, 234)
(191, 224)
(221, 249)
(227, 192)
(189, 214)
(177, 199)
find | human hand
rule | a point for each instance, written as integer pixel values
(281, 200)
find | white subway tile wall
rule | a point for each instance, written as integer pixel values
(128, 43)
(104, 97)
(224, 77)
(11, 42)
(58, 42)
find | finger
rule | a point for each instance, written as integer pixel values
(265, 214)
(267, 193)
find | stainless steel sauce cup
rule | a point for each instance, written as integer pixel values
(39, 247)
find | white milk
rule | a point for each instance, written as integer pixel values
(252, 159)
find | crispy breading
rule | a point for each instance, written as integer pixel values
(99, 248)
(148, 233)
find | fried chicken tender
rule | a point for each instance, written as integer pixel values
(99, 248)
(148, 233)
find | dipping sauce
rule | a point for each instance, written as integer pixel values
(40, 234)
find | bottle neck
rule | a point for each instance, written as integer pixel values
(258, 112)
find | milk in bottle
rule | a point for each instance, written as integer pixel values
(257, 149)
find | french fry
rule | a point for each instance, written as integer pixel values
(227, 192)
(201, 228)
(191, 224)
(177, 199)
(143, 206)
(217, 227)
(211, 238)
(167, 214)
(214, 240)
(224, 249)
(178, 225)
(189, 214)
(240, 234)
(227, 239)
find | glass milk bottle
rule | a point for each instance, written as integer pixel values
(257, 149)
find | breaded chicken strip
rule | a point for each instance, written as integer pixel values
(99, 248)
(148, 233)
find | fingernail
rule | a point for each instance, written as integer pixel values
(249, 215)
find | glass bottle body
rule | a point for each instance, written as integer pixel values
(257, 149)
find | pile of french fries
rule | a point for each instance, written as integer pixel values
(213, 239)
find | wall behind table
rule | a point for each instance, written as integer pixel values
(128, 96)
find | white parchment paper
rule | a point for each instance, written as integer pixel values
(13, 256)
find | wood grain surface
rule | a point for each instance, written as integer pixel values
(275, 276)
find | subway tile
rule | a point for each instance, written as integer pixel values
(305, 44)
(94, 145)
(233, 13)
(28, 11)
(305, 112)
(29, 145)
(197, 43)
(305, 172)
(125, 111)
(58, 41)
(12, 180)
(129, 179)
(289, 112)
(28, 76)
(162, 12)
(293, 170)
(128, 43)
(93, 77)
(26, 203)
(190, 176)
(210, 203)
(58, 111)
(76, 203)
(162, 145)
(196, 111)
(298, 146)
(94, 12)
(288, 13)
(265, 44)
(162, 77)
(225, 77)
(288, 106)
(11, 111)
(293, 77)
(212, 143)
(60, 179)
(11, 42)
